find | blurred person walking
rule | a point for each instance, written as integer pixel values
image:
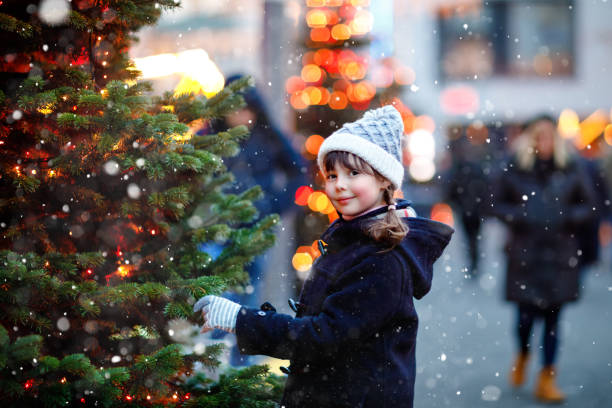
(267, 159)
(544, 198)
(467, 189)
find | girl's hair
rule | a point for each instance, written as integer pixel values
(390, 229)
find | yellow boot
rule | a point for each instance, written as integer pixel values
(518, 373)
(546, 387)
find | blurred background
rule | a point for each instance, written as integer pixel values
(466, 76)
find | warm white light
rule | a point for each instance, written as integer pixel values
(421, 144)
(422, 169)
(194, 65)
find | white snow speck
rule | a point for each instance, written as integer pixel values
(54, 12)
(111, 167)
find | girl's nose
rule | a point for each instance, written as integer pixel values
(340, 183)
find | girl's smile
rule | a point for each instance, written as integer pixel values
(353, 192)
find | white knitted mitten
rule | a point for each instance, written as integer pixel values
(218, 312)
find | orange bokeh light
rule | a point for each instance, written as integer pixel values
(347, 12)
(312, 95)
(320, 34)
(338, 100)
(353, 70)
(302, 261)
(608, 134)
(404, 75)
(333, 216)
(341, 32)
(362, 92)
(442, 213)
(312, 73)
(294, 84)
(318, 201)
(332, 17)
(313, 143)
(424, 122)
(325, 95)
(316, 18)
(124, 270)
(297, 102)
(324, 57)
(315, 3)
(302, 194)
(308, 58)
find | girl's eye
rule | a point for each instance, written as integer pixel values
(331, 176)
(354, 173)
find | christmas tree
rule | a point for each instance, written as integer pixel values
(105, 198)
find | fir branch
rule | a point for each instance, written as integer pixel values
(27, 183)
(80, 21)
(178, 310)
(12, 24)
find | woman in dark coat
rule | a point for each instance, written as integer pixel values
(544, 197)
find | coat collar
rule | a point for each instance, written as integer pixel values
(344, 232)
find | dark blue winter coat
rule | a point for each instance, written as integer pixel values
(352, 342)
(543, 208)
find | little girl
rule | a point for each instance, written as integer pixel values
(352, 341)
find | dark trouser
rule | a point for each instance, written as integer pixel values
(471, 224)
(526, 316)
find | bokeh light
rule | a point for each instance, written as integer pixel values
(312, 73)
(338, 100)
(477, 133)
(608, 134)
(313, 143)
(424, 122)
(320, 34)
(341, 32)
(316, 18)
(421, 143)
(404, 75)
(297, 102)
(294, 84)
(568, 124)
(422, 169)
(362, 22)
(324, 57)
(382, 76)
(459, 100)
(302, 194)
(302, 261)
(318, 201)
(442, 212)
(315, 3)
(590, 128)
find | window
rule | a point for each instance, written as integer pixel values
(518, 38)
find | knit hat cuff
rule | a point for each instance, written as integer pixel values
(374, 155)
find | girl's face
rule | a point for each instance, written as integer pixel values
(353, 192)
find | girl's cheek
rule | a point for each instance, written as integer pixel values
(365, 191)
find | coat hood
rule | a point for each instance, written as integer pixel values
(422, 246)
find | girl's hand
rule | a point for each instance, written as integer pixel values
(218, 313)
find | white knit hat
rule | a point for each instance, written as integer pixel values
(376, 138)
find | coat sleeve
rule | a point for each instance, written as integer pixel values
(367, 298)
(583, 200)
